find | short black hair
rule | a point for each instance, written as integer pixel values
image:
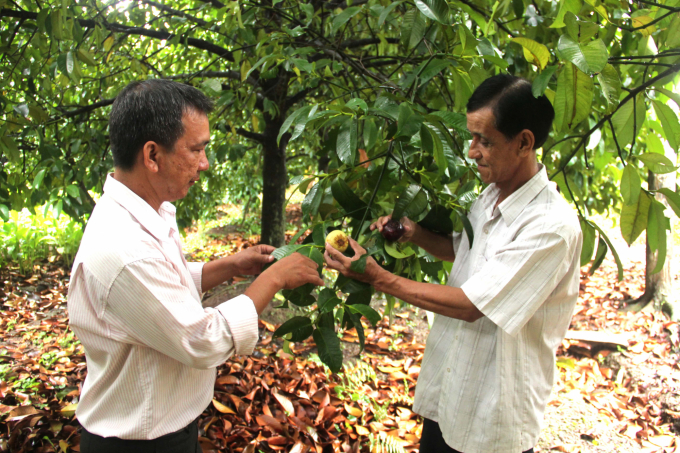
(514, 107)
(150, 110)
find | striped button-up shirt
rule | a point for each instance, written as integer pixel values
(135, 304)
(487, 383)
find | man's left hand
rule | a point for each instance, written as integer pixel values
(336, 260)
(251, 260)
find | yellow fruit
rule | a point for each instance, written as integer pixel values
(338, 240)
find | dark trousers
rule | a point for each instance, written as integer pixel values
(432, 441)
(183, 441)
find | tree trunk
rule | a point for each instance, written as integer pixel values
(274, 183)
(659, 293)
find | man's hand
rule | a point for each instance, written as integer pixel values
(251, 260)
(287, 273)
(293, 271)
(409, 227)
(336, 260)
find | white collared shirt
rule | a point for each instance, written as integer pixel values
(135, 304)
(487, 383)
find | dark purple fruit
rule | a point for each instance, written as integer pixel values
(393, 230)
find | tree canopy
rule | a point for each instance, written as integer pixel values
(359, 103)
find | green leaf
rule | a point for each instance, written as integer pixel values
(213, 85)
(300, 296)
(673, 199)
(327, 300)
(86, 57)
(73, 191)
(386, 12)
(654, 144)
(573, 97)
(329, 347)
(312, 201)
(362, 297)
(346, 144)
(413, 28)
(603, 235)
(580, 30)
(4, 212)
(674, 96)
(38, 179)
(656, 233)
(350, 286)
(411, 203)
(342, 18)
(657, 163)
(590, 58)
(542, 80)
(630, 185)
(534, 52)
(313, 253)
(624, 123)
(599, 256)
(301, 112)
(634, 218)
(392, 249)
(359, 266)
(588, 242)
(669, 122)
(610, 83)
(65, 63)
(356, 322)
(295, 323)
(351, 204)
(467, 226)
(370, 134)
(432, 144)
(284, 251)
(366, 311)
(571, 6)
(434, 9)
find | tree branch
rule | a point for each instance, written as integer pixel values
(193, 42)
(485, 14)
(170, 10)
(251, 135)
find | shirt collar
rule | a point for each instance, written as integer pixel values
(157, 223)
(512, 206)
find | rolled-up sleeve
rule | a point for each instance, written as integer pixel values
(148, 304)
(515, 281)
(196, 271)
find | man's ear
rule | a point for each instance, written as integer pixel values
(526, 141)
(150, 153)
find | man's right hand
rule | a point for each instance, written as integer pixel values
(293, 271)
(409, 227)
(287, 273)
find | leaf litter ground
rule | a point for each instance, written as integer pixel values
(607, 398)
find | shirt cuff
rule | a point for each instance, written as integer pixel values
(196, 271)
(241, 316)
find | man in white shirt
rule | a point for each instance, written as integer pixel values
(489, 360)
(135, 302)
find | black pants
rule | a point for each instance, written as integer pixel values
(432, 441)
(183, 441)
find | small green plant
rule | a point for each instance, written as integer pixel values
(10, 324)
(48, 359)
(67, 340)
(384, 443)
(4, 369)
(26, 385)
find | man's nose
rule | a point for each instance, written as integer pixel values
(473, 152)
(203, 164)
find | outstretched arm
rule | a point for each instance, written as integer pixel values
(440, 299)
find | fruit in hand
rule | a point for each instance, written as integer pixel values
(393, 230)
(338, 240)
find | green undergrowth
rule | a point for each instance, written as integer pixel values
(28, 239)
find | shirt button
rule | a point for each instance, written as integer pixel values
(486, 231)
(448, 370)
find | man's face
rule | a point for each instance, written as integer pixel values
(180, 168)
(498, 159)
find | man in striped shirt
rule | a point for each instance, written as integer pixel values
(489, 361)
(135, 302)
